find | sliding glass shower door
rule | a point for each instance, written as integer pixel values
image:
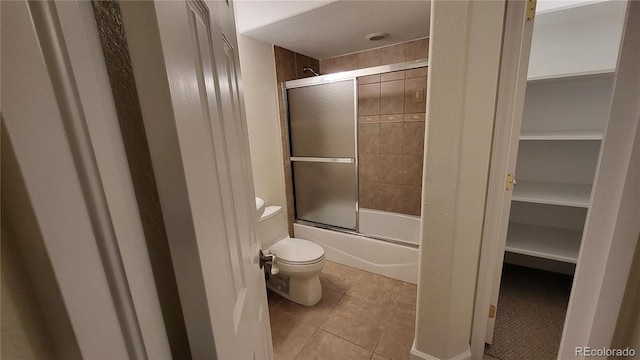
(323, 152)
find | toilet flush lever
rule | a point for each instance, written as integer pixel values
(269, 259)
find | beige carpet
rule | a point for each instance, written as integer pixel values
(531, 310)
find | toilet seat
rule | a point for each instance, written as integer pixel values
(285, 262)
(295, 251)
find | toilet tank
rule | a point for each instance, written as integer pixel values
(272, 226)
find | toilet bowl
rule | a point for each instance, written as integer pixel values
(298, 262)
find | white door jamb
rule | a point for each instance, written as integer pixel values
(509, 109)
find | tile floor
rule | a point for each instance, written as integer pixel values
(361, 316)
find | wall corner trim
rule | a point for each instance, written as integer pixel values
(419, 355)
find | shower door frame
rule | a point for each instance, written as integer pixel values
(292, 159)
(352, 75)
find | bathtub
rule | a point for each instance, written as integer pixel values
(398, 227)
(381, 257)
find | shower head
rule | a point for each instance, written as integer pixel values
(310, 69)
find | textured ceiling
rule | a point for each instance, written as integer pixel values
(252, 14)
(325, 29)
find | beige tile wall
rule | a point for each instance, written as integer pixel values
(392, 54)
(391, 126)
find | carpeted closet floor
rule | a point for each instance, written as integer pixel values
(531, 310)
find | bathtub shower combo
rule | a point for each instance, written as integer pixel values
(356, 151)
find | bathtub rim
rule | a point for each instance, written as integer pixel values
(354, 232)
(383, 258)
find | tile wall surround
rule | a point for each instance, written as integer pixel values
(392, 54)
(391, 130)
(289, 66)
(391, 118)
(391, 126)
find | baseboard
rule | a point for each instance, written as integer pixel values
(419, 355)
(466, 355)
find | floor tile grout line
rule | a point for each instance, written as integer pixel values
(393, 312)
(298, 318)
(384, 330)
(365, 301)
(306, 343)
(342, 337)
(347, 340)
(377, 342)
(331, 311)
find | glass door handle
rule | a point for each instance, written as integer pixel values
(323, 159)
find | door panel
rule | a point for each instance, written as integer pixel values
(203, 52)
(321, 120)
(325, 193)
(188, 86)
(506, 135)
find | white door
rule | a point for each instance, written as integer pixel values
(507, 177)
(513, 74)
(185, 64)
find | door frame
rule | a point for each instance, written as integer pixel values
(104, 303)
(603, 309)
(509, 111)
(110, 307)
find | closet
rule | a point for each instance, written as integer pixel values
(570, 79)
(569, 88)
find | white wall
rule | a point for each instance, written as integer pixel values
(25, 334)
(580, 39)
(612, 225)
(257, 64)
(628, 323)
(635, 335)
(465, 48)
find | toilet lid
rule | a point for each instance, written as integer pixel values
(295, 250)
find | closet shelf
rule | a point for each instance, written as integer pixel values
(570, 75)
(561, 135)
(563, 194)
(566, 7)
(544, 242)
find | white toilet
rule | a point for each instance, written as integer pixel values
(298, 262)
